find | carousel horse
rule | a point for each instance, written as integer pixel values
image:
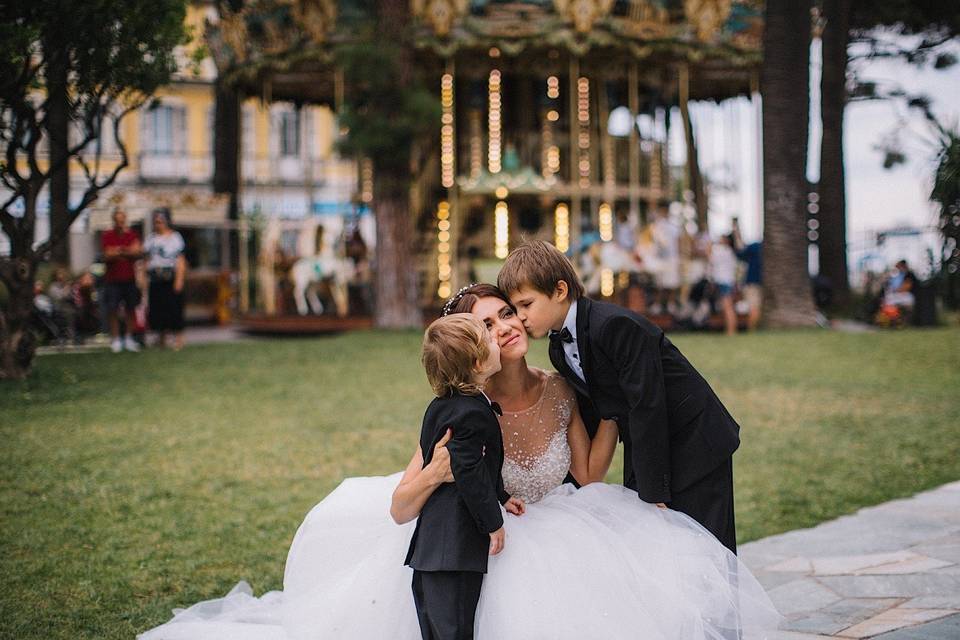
(323, 268)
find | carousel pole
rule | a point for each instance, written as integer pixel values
(244, 264)
(607, 153)
(633, 98)
(574, 130)
(694, 176)
(755, 99)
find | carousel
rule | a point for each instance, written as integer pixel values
(556, 120)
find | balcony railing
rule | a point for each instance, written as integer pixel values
(155, 167)
(176, 167)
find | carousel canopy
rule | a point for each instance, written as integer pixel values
(283, 49)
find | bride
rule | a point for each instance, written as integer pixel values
(579, 564)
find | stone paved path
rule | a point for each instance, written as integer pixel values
(890, 568)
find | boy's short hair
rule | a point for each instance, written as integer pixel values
(452, 346)
(539, 265)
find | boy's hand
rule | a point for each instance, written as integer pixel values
(515, 506)
(496, 541)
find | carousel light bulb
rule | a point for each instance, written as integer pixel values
(553, 87)
(606, 282)
(583, 137)
(444, 270)
(476, 143)
(501, 230)
(501, 192)
(606, 222)
(561, 227)
(494, 149)
(447, 155)
(366, 180)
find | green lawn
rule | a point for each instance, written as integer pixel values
(132, 484)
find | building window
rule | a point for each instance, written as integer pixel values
(248, 139)
(290, 133)
(165, 130)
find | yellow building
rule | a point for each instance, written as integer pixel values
(289, 166)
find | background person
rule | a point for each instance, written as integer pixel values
(166, 271)
(723, 273)
(121, 250)
(61, 294)
(752, 255)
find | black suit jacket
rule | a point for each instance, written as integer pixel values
(453, 527)
(674, 428)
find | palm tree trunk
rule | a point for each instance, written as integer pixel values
(833, 220)
(788, 298)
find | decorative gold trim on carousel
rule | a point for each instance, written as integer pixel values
(707, 17)
(583, 13)
(441, 15)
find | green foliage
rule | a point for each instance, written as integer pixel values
(933, 19)
(383, 116)
(120, 45)
(133, 484)
(112, 55)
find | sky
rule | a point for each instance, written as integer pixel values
(877, 199)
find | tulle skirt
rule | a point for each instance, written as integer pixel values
(580, 564)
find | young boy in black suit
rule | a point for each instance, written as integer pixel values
(678, 438)
(461, 522)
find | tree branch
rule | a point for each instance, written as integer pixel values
(882, 49)
(93, 188)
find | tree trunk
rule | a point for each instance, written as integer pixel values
(396, 294)
(832, 215)
(58, 122)
(788, 300)
(397, 300)
(227, 132)
(18, 344)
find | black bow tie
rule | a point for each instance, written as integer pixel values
(562, 336)
(496, 408)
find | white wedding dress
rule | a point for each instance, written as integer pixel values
(580, 564)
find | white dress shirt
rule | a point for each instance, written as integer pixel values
(570, 350)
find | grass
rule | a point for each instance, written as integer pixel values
(133, 484)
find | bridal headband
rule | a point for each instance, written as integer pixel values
(452, 302)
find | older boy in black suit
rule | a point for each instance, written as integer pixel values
(678, 438)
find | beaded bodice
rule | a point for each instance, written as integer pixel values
(536, 453)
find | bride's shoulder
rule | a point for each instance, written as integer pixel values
(555, 381)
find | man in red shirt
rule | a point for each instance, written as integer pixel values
(121, 250)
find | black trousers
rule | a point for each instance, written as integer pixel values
(446, 603)
(709, 501)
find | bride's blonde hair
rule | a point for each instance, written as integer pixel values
(452, 347)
